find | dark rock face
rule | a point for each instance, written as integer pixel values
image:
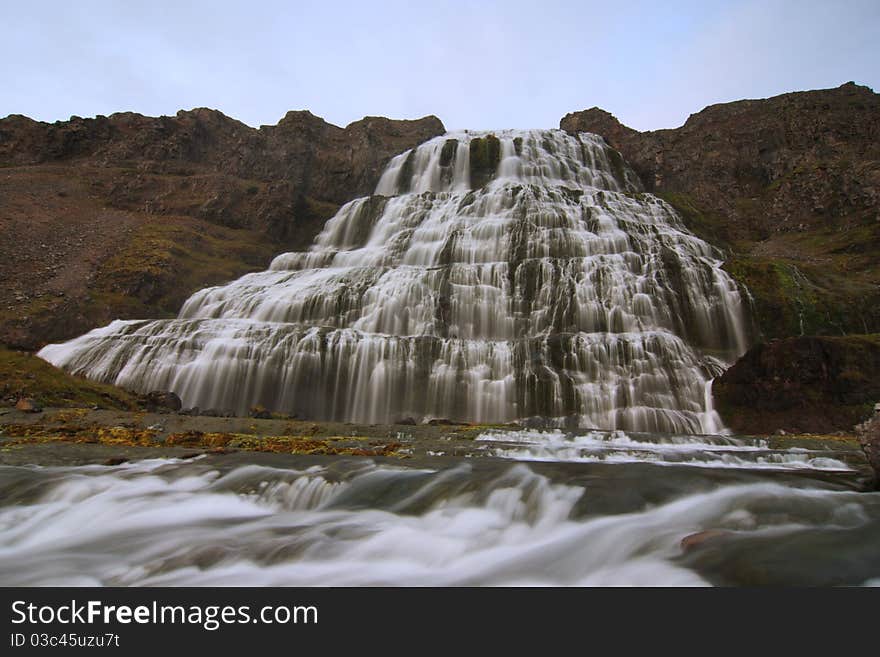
(735, 150)
(790, 185)
(127, 215)
(869, 438)
(804, 384)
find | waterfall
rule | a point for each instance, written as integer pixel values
(492, 277)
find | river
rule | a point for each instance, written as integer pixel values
(518, 507)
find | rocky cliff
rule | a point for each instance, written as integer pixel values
(789, 185)
(126, 215)
(803, 384)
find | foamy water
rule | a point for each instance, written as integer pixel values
(476, 522)
(618, 447)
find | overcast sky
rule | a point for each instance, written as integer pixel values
(481, 64)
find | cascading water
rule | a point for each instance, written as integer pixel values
(492, 277)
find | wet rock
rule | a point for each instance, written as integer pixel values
(809, 384)
(214, 412)
(116, 460)
(260, 413)
(163, 400)
(699, 539)
(28, 405)
(194, 411)
(406, 420)
(869, 439)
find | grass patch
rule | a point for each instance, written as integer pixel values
(25, 375)
(169, 259)
(708, 226)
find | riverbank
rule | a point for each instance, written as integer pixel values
(76, 436)
(536, 508)
(81, 436)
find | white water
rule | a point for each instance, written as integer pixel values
(552, 288)
(618, 447)
(167, 522)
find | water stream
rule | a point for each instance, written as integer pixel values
(539, 508)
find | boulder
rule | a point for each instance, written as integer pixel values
(159, 400)
(869, 439)
(27, 405)
(699, 539)
(260, 413)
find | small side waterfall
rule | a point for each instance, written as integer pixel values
(492, 277)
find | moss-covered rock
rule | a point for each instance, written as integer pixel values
(795, 298)
(447, 153)
(518, 145)
(25, 375)
(705, 224)
(485, 155)
(166, 261)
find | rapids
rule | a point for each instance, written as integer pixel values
(492, 277)
(765, 516)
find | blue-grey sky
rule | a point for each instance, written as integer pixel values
(475, 64)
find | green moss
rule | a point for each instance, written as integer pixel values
(447, 153)
(706, 225)
(618, 167)
(804, 298)
(35, 307)
(166, 261)
(485, 155)
(25, 375)
(517, 145)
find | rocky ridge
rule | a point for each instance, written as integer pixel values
(125, 216)
(789, 186)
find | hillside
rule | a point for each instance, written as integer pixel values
(789, 186)
(125, 216)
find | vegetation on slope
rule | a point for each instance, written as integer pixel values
(24, 375)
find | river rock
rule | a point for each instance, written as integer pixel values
(260, 413)
(214, 412)
(28, 405)
(163, 400)
(869, 439)
(699, 539)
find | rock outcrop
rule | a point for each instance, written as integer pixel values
(869, 439)
(801, 384)
(789, 185)
(125, 216)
